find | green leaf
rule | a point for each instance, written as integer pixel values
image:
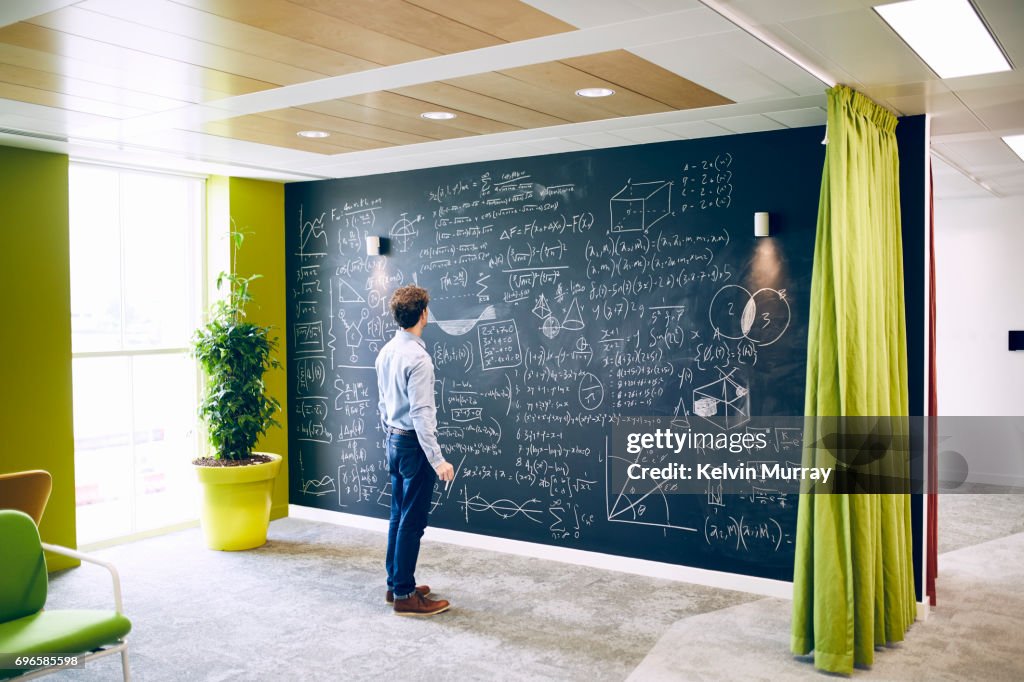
(234, 356)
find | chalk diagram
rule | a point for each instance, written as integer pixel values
(680, 416)
(641, 502)
(591, 391)
(542, 309)
(583, 350)
(714, 491)
(404, 231)
(573, 320)
(348, 294)
(725, 399)
(762, 316)
(551, 327)
(318, 487)
(353, 336)
(504, 508)
(384, 497)
(639, 205)
(312, 237)
(464, 326)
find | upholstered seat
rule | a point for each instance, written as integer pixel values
(26, 629)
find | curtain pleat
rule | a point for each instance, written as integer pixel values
(853, 575)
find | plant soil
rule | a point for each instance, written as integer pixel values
(244, 462)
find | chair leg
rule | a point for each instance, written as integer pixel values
(124, 665)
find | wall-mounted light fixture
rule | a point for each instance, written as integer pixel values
(373, 246)
(761, 228)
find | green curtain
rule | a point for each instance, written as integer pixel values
(853, 584)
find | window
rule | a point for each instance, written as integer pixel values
(136, 294)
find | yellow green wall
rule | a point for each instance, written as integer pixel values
(257, 208)
(35, 332)
(36, 415)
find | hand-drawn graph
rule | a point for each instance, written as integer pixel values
(504, 508)
(459, 327)
(725, 399)
(641, 502)
(312, 237)
(639, 205)
(404, 231)
(317, 487)
(762, 317)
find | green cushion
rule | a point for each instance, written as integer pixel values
(60, 632)
(23, 577)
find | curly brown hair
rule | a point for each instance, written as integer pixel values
(408, 304)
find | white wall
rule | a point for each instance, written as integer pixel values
(979, 251)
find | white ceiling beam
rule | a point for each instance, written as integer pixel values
(964, 172)
(750, 26)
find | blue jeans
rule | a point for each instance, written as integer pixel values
(412, 489)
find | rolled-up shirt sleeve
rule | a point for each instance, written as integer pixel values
(423, 410)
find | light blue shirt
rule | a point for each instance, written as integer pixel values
(405, 382)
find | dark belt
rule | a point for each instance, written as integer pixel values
(400, 432)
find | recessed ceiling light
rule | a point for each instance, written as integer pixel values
(313, 133)
(595, 92)
(947, 34)
(1016, 143)
(438, 115)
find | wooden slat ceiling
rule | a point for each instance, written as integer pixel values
(124, 58)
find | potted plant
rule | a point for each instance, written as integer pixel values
(234, 355)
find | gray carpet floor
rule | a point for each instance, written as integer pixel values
(309, 606)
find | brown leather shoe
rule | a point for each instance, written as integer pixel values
(418, 605)
(389, 597)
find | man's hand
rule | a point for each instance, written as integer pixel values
(445, 471)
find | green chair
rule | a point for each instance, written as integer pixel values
(26, 628)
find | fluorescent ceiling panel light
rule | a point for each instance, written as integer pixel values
(947, 34)
(438, 115)
(313, 133)
(595, 92)
(1016, 143)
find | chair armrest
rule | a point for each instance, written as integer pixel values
(65, 551)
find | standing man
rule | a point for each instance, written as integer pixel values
(405, 381)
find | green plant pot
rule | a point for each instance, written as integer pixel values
(235, 510)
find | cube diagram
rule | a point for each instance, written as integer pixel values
(638, 206)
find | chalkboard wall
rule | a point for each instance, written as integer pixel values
(567, 291)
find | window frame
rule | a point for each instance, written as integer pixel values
(197, 249)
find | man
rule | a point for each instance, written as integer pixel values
(405, 381)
